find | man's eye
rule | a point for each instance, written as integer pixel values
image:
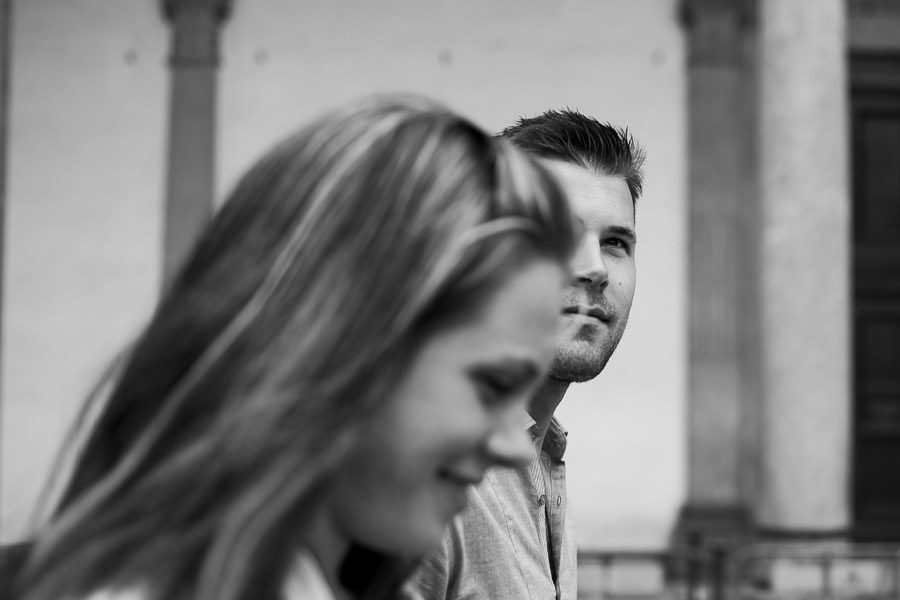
(616, 243)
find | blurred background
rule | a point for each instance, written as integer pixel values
(755, 396)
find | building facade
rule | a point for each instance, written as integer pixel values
(757, 390)
(794, 361)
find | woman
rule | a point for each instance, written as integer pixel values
(347, 350)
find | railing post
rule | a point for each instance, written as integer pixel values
(718, 573)
(896, 578)
(605, 563)
(827, 559)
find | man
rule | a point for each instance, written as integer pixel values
(515, 540)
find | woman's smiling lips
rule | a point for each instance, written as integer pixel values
(459, 484)
(460, 478)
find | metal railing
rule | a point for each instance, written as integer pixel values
(779, 570)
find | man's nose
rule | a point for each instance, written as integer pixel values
(510, 445)
(588, 267)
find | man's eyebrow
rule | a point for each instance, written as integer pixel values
(624, 232)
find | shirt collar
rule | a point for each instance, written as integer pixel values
(306, 580)
(556, 439)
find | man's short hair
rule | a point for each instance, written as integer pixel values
(572, 137)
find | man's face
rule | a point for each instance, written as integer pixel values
(603, 272)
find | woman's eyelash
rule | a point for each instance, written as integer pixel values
(497, 385)
(500, 384)
(495, 389)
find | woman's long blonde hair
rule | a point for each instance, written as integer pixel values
(287, 327)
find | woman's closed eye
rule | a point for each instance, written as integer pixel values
(493, 390)
(497, 386)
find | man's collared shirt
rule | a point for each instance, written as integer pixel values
(514, 541)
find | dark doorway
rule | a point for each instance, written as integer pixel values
(875, 122)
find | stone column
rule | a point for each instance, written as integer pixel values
(804, 258)
(192, 125)
(5, 58)
(717, 136)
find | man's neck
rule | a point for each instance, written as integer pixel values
(544, 403)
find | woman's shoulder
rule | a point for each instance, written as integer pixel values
(305, 582)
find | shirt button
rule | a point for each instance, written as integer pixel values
(541, 500)
(558, 500)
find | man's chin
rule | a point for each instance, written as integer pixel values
(575, 371)
(578, 360)
(575, 376)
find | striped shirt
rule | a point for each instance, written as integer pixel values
(515, 539)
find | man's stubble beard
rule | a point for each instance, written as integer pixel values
(582, 359)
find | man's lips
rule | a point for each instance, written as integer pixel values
(595, 311)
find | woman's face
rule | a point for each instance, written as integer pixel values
(457, 410)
